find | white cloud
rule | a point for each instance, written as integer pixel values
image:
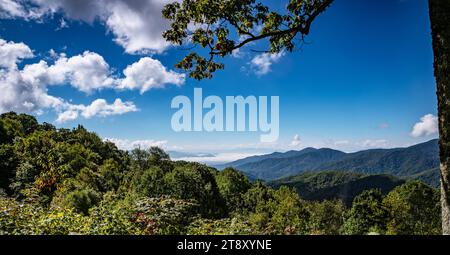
(237, 53)
(380, 143)
(341, 142)
(428, 125)
(137, 25)
(125, 144)
(62, 24)
(220, 158)
(149, 73)
(11, 53)
(26, 90)
(10, 8)
(67, 116)
(25, 9)
(86, 72)
(354, 145)
(295, 141)
(99, 107)
(262, 63)
(18, 94)
(89, 72)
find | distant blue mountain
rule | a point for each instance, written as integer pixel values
(419, 161)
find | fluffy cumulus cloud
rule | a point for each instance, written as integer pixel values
(125, 144)
(11, 53)
(99, 107)
(86, 72)
(149, 73)
(66, 116)
(428, 125)
(17, 93)
(89, 72)
(26, 89)
(262, 63)
(137, 25)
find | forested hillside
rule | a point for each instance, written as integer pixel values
(61, 181)
(344, 186)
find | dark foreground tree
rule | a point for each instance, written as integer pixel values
(222, 27)
(440, 26)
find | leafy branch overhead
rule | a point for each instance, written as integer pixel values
(223, 26)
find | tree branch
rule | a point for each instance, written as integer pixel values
(304, 30)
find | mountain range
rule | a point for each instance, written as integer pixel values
(420, 161)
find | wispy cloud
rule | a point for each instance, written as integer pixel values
(220, 158)
(369, 143)
(261, 64)
(295, 141)
(348, 145)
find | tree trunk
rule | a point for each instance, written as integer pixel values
(440, 29)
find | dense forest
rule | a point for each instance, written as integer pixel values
(332, 185)
(61, 181)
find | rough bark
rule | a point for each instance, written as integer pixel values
(440, 29)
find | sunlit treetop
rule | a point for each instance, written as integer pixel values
(223, 26)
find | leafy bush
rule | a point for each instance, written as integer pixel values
(232, 186)
(326, 218)
(414, 208)
(367, 214)
(81, 200)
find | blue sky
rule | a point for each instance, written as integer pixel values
(364, 79)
